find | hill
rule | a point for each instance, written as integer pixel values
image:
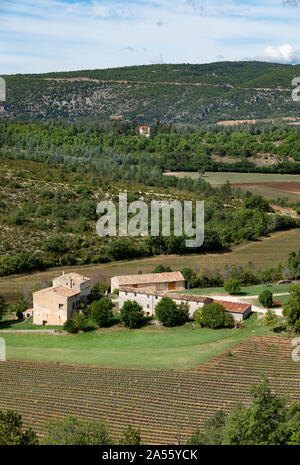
(179, 93)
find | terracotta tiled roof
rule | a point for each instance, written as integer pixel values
(233, 307)
(150, 278)
(61, 290)
(74, 276)
(65, 291)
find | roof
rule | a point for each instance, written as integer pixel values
(233, 307)
(74, 276)
(186, 297)
(65, 291)
(61, 290)
(149, 278)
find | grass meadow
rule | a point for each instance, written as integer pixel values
(151, 347)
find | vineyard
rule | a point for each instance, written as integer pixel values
(161, 402)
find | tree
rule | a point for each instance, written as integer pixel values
(162, 269)
(213, 315)
(232, 286)
(170, 314)
(11, 431)
(132, 314)
(266, 298)
(131, 437)
(190, 277)
(271, 319)
(71, 431)
(291, 310)
(213, 431)
(19, 308)
(70, 326)
(101, 311)
(81, 322)
(3, 306)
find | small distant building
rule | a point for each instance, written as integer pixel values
(169, 281)
(54, 305)
(240, 311)
(144, 131)
(27, 313)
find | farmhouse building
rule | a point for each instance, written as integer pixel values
(149, 299)
(54, 305)
(144, 131)
(170, 281)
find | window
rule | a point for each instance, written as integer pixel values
(147, 305)
(156, 297)
(61, 306)
(148, 296)
(135, 294)
(126, 293)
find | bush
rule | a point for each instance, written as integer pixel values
(232, 286)
(100, 311)
(228, 320)
(198, 318)
(170, 314)
(266, 298)
(270, 319)
(213, 315)
(81, 322)
(132, 314)
(70, 327)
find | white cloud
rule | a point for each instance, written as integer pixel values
(282, 54)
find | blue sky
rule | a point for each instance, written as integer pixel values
(56, 35)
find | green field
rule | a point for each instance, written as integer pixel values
(269, 192)
(245, 290)
(148, 347)
(221, 177)
(263, 253)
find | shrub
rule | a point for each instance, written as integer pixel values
(70, 327)
(100, 311)
(270, 319)
(228, 320)
(198, 318)
(132, 315)
(170, 314)
(266, 298)
(213, 315)
(232, 286)
(81, 322)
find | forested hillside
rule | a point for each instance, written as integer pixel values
(174, 93)
(53, 175)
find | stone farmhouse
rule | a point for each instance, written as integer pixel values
(170, 281)
(149, 289)
(54, 305)
(149, 299)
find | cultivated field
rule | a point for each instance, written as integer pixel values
(266, 252)
(160, 402)
(271, 186)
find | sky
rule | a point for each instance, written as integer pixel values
(62, 35)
